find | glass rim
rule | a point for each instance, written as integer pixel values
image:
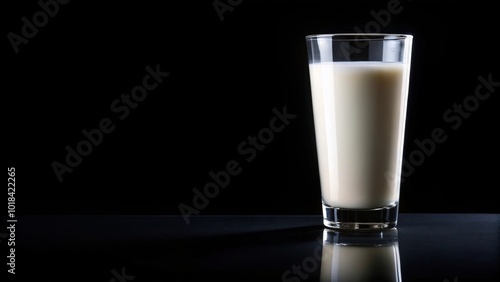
(360, 36)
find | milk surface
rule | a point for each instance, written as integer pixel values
(359, 117)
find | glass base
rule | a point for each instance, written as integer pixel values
(354, 219)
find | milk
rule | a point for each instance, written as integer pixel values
(359, 114)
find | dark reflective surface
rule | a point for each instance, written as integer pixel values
(360, 256)
(425, 247)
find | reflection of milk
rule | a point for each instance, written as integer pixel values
(359, 114)
(361, 261)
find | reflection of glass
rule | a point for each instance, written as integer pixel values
(372, 256)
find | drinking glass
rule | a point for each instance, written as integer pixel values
(359, 88)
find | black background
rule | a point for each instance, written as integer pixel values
(226, 77)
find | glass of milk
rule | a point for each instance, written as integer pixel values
(361, 256)
(359, 88)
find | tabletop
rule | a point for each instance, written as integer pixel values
(424, 247)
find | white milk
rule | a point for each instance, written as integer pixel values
(359, 114)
